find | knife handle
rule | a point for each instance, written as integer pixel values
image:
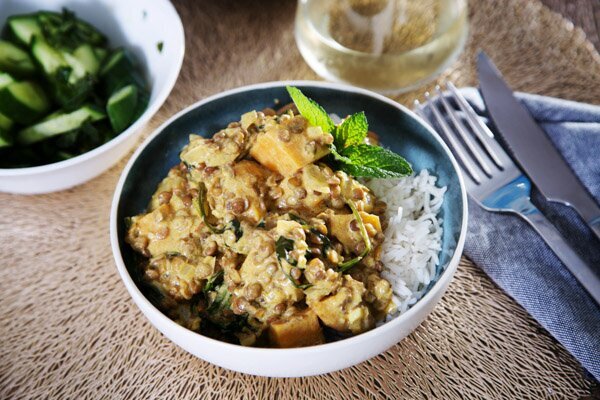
(580, 270)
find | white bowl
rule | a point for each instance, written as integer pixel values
(138, 25)
(144, 166)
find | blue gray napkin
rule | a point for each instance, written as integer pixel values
(520, 262)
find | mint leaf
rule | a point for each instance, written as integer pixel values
(374, 161)
(309, 109)
(352, 130)
(337, 156)
(364, 171)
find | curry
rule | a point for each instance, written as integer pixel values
(254, 239)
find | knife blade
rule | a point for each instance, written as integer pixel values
(532, 148)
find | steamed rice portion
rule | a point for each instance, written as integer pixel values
(413, 237)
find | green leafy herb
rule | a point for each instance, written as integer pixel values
(221, 301)
(364, 160)
(237, 229)
(375, 161)
(201, 208)
(219, 311)
(349, 152)
(189, 167)
(345, 266)
(309, 109)
(298, 219)
(204, 212)
(212, 281)
(283, 247)
(324, 239)
(65, 30)
(353, 130)
(160, 46)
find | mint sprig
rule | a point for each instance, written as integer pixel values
(352, 130)
(349, 151)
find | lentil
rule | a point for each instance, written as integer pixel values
(210, 248)
(237, 205)
(297, 124)
(164, 197)
(253, 291)
(284, 135)
(162, 233)
(296, 273)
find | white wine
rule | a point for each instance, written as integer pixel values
(384, 45)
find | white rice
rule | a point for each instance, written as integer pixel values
(413, 236)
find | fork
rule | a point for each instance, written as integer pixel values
(494, 181)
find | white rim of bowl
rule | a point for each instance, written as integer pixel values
(144, 118)
(141, 301)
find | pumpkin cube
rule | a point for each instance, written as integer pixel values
(301, 330)
(285, 152)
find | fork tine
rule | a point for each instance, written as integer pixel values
(418, 108)
(457, 148)
(462, 131)
(480, 129)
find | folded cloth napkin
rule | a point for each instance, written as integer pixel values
(519, 261)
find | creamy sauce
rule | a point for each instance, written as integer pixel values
(251, 238)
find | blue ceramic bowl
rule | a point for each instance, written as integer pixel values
(398, 128)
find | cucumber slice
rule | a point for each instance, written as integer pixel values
(23, 102)
(5, 79)
(6, 139)
(114, 83)
(6, 123)
(52, 60)
(119, 71)
(101, 53)
(24, 27)
(121, 107)
(78, 70)
(72, 95)
(47, 56)
(86, 55)
(15, 60)
(142, 104)
(70, 83)
(60, 124)
(120, 62)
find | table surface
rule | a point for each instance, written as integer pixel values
(57, 342)
(583, 13)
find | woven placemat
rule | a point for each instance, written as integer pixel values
(68, 328)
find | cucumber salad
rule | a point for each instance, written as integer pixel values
(63, 90)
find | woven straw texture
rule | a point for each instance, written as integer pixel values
(68, 328)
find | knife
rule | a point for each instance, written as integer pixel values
(531, 146)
